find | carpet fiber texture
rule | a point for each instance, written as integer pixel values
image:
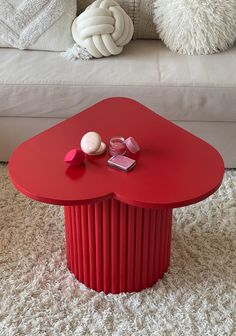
(39, 296)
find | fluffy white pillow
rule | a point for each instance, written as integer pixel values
(196, 26)
(37, 24)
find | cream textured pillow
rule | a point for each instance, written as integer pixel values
(141, 13)
(37, 24)
(103, 29)
(196, 26)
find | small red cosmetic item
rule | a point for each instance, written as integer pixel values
(132, 145)
(75, 157)
(121, 162)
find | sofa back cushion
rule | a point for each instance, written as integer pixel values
(141, 13)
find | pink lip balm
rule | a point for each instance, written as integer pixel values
(117, 146)
(132, 145)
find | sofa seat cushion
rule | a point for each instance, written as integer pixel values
(179, 87)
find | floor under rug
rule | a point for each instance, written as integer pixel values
(39, 296)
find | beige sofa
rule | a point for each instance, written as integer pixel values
(39, 89)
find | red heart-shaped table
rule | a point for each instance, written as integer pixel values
(118, 225)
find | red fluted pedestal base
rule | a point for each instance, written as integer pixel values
(115, 247)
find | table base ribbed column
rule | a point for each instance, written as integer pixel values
(115, 247)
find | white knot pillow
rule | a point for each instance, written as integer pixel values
(196, 26)
(103, 29)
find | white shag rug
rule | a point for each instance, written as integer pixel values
(39, 296)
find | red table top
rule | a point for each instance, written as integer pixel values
(174, 168)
